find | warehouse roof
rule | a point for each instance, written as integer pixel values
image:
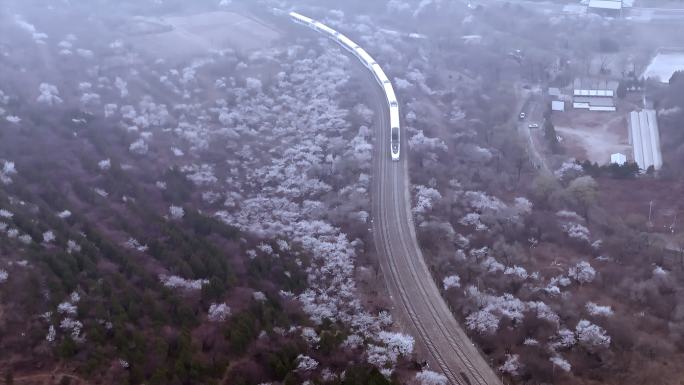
(594, 101)
(606, 4)
(602, 93)
(645, 138)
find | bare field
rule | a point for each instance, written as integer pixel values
(201, 33)
(664, 65)
(631, 198)
(594, 135)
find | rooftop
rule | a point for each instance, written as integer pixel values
(606, 4)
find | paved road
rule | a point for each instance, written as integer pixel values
(417, 300)
(533, 108)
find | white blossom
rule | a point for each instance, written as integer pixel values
(110, 110)
(569, 168)
(598, 310)
(582, 272)
(52, 333)
(138, 147)
(74, 326)
(105, 164)
(259, 296)
(590, 335)
(122, 86)
(72, 247)
(482, 322)
(133, 243)
(399, 343)
(218, 312)
(659, 271)
(253, 84)
(49, 94)
(512, 365)
(306, 363)
(452, 281)
(428, 377)
(565, 339)
(176, 212)
(516, 271)
(25, 239)
(425, 199)
(6, 172)
(561, 363)
(492, 265)
(352, 341)
(174, 281)
(543, 311)
(67, 308)
(473, 219)
(481, 201)
(310, 336)
(577, 231)
(48, 236)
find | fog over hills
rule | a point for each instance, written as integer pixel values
(320, 192)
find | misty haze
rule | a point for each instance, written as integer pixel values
(358, 192)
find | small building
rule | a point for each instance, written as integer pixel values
(555, 92)
(611, 8)
(617, 158)
(645, 139)
(594, 94)
(591, 103)
(557, 105)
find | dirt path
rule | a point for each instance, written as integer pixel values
(52, 378)
(599, 141)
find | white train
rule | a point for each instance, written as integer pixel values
(368, 61)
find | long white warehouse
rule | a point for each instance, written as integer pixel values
(645, 139)
(368, 61)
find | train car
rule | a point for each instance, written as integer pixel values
(365, 57)
(325, 29)
(347, 43)
(395, 138)
(378, 73)
(389, 93)
(301, 19)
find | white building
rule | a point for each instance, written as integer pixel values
(594, 94)
(606, 7)
(618, 159)
(593, 103)
(557, 105)
(645, 139)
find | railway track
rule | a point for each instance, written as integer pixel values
(417, 299)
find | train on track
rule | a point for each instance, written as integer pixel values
(378, 73)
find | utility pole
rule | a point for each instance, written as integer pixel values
(650, 212)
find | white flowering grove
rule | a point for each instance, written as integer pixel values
(428, 377)
(218, 312)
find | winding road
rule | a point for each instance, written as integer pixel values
(418, 302)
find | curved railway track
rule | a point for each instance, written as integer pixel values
(418, 302)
